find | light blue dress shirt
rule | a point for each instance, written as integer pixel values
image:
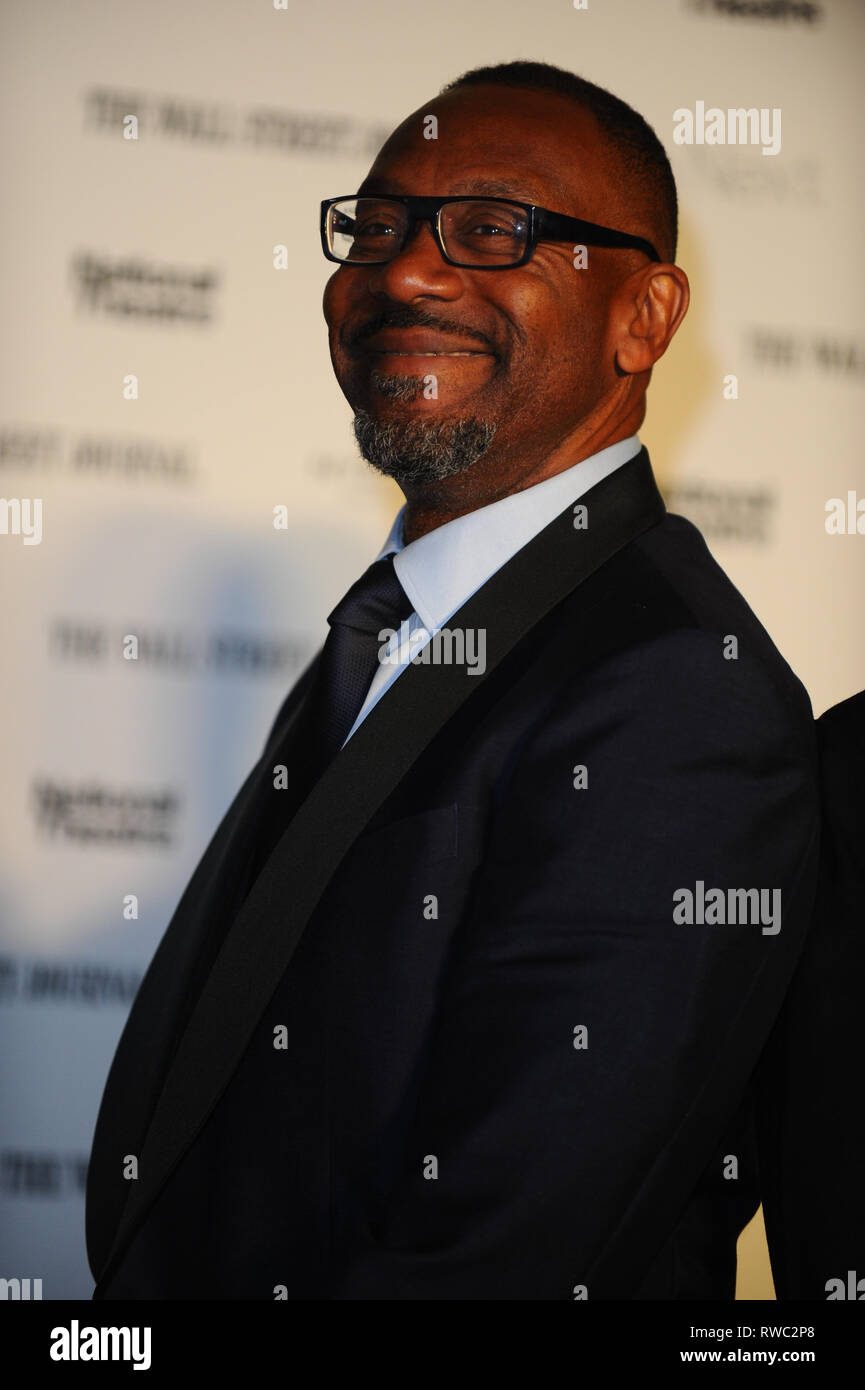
(441, 570)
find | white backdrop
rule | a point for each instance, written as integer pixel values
(153, 259)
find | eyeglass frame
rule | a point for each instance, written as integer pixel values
(543, 225)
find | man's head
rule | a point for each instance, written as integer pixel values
(560, 349)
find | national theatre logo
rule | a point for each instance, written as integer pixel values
(94, 814)
(779, 11)
(130, 287)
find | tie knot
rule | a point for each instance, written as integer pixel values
(377, 600)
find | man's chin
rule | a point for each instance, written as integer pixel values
(419, 449)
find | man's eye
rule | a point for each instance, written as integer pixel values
(491, 228)
(373, 229)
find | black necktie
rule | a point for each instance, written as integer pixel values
(349, 661)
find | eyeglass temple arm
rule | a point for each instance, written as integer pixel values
(556, 225)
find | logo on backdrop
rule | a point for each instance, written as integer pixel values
(146, 116)
(725, 511)
(39, 981)
(130, 287)
(179, 650)
(816, 350)
(43, 449)
(42, 1173)
(732, 174)
(91, 813)
(782, 11)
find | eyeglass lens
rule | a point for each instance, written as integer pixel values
(473, 233)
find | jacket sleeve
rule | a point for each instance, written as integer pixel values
(583, 1030)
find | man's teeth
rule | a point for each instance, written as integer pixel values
(433, 354)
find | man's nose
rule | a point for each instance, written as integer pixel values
(417, 268)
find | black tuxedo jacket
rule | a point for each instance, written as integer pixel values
(451, 1043)
(811, 1120)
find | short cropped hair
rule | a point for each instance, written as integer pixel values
(643, 158)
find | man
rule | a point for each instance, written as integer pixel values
(466, 997)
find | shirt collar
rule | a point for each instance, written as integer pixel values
(442, 569)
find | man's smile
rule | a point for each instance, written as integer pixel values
(383, 352)
(420, 343)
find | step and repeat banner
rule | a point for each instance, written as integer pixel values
(166, 389)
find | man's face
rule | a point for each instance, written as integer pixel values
(535, 361)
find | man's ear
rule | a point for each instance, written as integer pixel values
(652, 306)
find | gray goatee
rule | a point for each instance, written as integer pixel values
(419, 450)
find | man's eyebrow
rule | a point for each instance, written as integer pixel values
(499, 188)
(484, 187)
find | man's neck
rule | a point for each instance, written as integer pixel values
(433, 505)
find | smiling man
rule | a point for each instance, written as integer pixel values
(536, 369)
(429, 1022)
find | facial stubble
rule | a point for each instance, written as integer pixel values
(417, 449)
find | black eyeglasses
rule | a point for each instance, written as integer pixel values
(473, 233)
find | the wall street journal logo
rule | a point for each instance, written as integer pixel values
(145, 115)
(66, 982)
(792, 350)
(95, 814)
(45, 449)
(27, 1173)
(132, 288)
(781, 11)
(180, 651)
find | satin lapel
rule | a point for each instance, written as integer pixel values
(142, 1055)
(262, 940)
